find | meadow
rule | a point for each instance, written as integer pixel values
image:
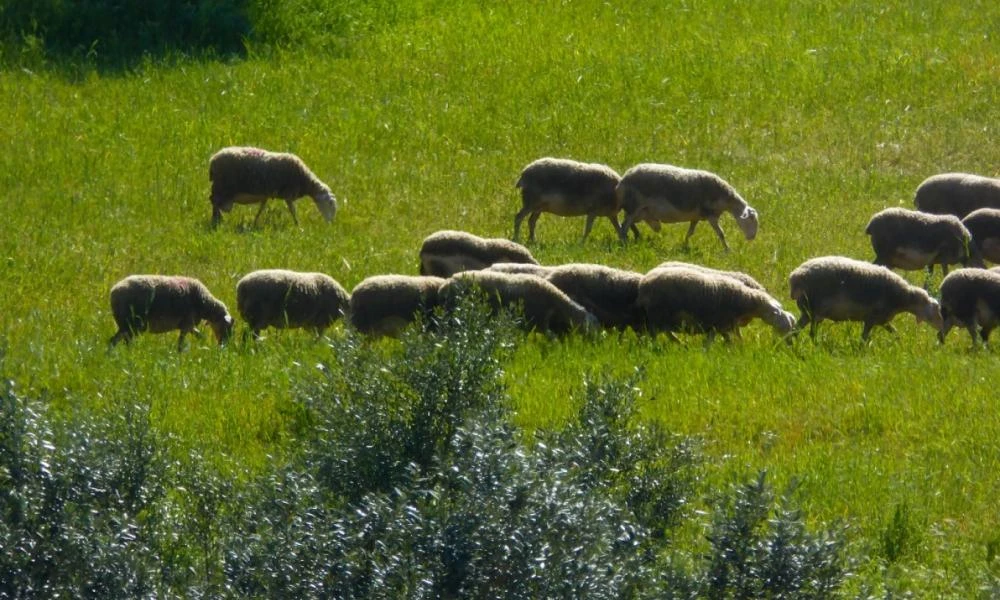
(820, 114)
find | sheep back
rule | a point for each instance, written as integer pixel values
(670, 194)
(520, 268)
(445, 253)
(162, 303)
(957, 194)
(385, 304)
(984, 226)
(569, 188)
(690, 300)
(543, 305)
(971, 298)
(739, 276)
(247, 175)
(844, 289)
(289, 299)
(910, 239)
(610, 294)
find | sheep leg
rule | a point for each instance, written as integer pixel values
(714, 222)
(627, 223)
(531, 225)
(291, 209)
(517, 221)
(690, 232)
(618, 226)
(866, 331)
(180, 340)
(263, 203)
(216, 216)
(588, 225)
(122, 335)
(974, 334)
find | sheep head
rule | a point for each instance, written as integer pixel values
(327, 204)
(223, 329)
(777, 317)
(929, 310)
(747, 220)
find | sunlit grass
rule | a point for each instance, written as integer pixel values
(819, 115)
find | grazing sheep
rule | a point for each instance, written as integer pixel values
(245, 175)
(971, 298)
(289, 299)
(689, 300)
(385, 304)
(843, 289)
(161, 303)
(520, 268)
(957, 194)
(609, 294)
(984, 225)
(910, 239)
(664, 193)
(445, 253)
(545, 307)
(743, 278)
(569, 189)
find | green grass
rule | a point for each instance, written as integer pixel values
(819, 115)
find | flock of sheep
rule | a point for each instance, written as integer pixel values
(957, 222)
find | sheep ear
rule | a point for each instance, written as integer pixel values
(748, 212)
(229, 320)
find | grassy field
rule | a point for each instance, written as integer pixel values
(820, 114)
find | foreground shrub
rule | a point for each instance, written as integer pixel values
(418, 484)
(410, 479)
(75, 500)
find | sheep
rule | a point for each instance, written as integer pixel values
(844, 289)
(609, 294)
(245, 175)
(910, 239)
(382, 305)
(664, 193)
(289, 299)
(445, 253)
(519, 268)
(161, 303)
(743, 278)
(971, 298)
(544, 307)
(689, 300)
(984, 226)
(569, 189)
(957, 194)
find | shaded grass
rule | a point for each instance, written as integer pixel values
(818, 115)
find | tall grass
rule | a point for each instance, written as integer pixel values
(819, 114)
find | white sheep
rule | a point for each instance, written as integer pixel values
(664, 193)
(844, 289)
(688, 300)
(161, 303)
(447, 252)
(244, 175)
(289, 299)
(743, 278)
(984, 226)
(520, 268)
(610, 294)
(971, 298)
(957, 194)
(545, 308)
(382, 305)
(569, 189)
(910, 239)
